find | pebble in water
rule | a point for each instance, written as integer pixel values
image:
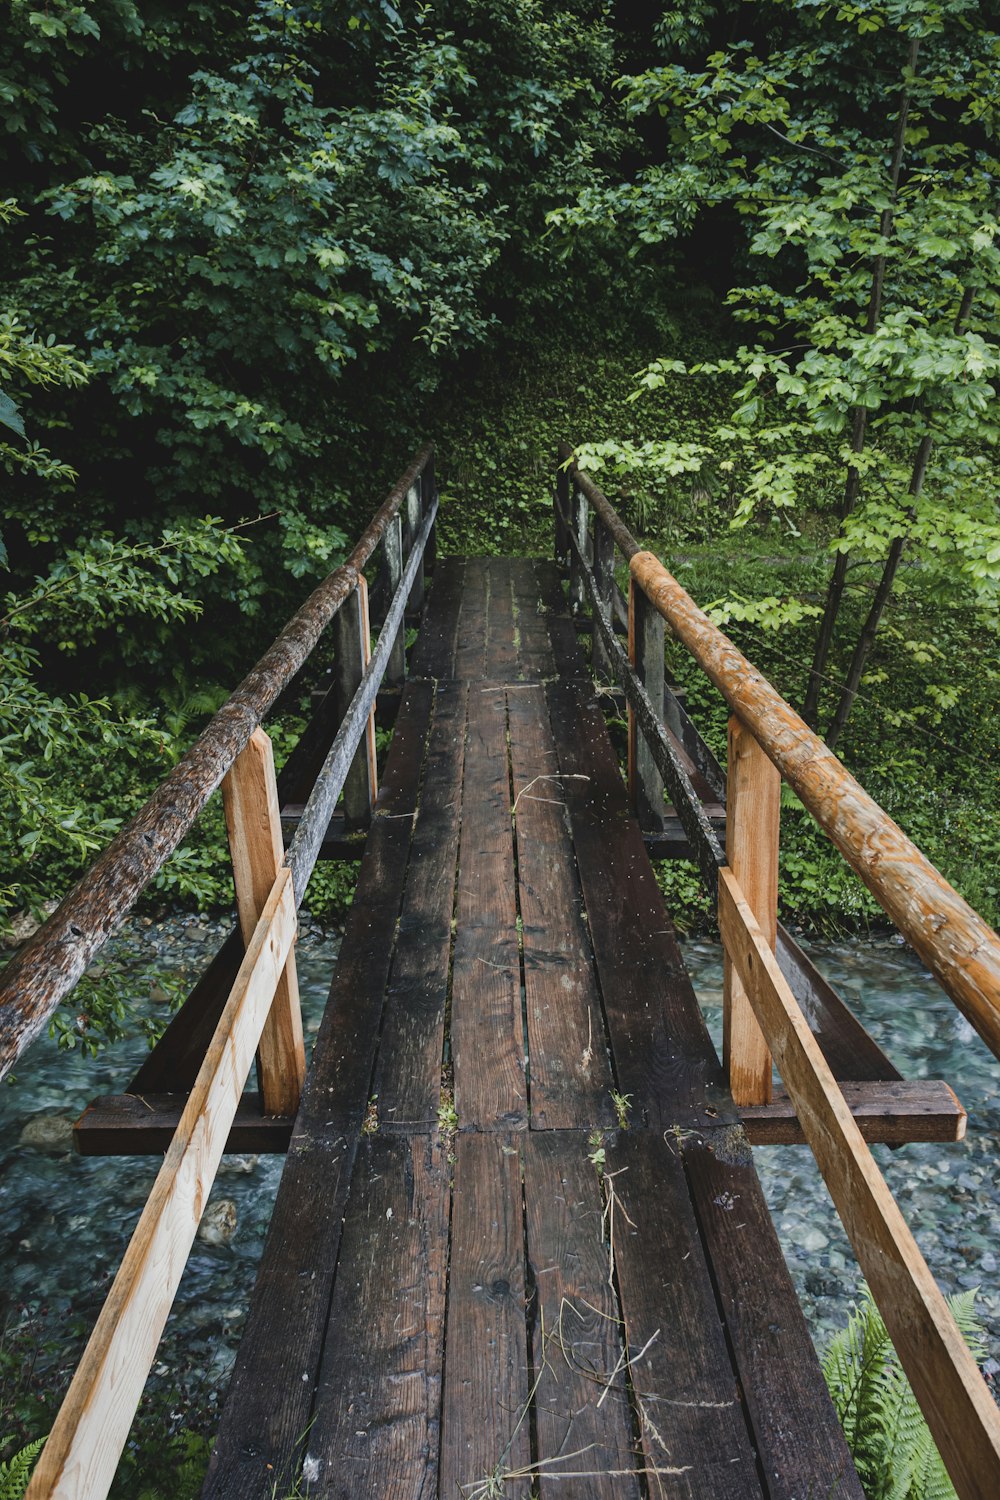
(52, 1133)
(219, 1221)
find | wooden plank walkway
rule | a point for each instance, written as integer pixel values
(475, 1283)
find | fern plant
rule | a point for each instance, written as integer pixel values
(891, 1444)
(15, 1473)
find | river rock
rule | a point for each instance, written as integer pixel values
(218, 1223)
(48, 1133)
(237, 1165)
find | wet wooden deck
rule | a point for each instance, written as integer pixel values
(475, 1283)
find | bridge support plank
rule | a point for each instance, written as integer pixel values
(485, 1421)
(487, 1032)
(570, 1082)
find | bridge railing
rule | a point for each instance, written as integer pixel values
(261, 1015)
(769, 742)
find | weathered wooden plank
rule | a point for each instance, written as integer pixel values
(487, 1031)
(473, 625)
(579, 525)
(570, 1076)
(844, 1042)
(959, 1410)
(582, 1416)
(501, 650)
(173, 1064)
(645, 654)
(694, 1431)
(390, 574)
(408, 1070)
(144, 1125)
(753, 811)
(534, 658)
(376, 1419)
(661, 1051)
(892, 1112)
(794, 1428)
(604, 582)
(250, 799)
(953, 940)
(566, 654)
(269, 1401)
(433, 653)
(81, 1455)
(484, 1416)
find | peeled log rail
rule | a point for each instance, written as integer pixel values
(53, 960)
(953, 940)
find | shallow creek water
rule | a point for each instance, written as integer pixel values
(65, 1220)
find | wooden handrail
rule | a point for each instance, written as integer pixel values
(624, 540)
(51, 962)
(959, 948)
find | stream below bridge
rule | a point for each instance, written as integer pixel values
(65, 1220)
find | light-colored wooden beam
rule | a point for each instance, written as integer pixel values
(253, 821)
(959, 1409)
(753, 811)
(80, 1458)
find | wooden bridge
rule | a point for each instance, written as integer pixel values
(519, 1246)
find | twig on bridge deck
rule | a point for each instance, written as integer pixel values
(534, 782)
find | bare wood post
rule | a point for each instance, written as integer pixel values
(414, 513)
(604, 580)
(352, 651)
(561, 505)
(253, 822)
(428, 489)
(392, 572)
(645, 652)
(579, 520)
(753, 811)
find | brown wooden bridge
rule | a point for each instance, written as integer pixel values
(519, 1246)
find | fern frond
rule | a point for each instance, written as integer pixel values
(15, 1473)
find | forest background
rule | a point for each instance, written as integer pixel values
(744, 256)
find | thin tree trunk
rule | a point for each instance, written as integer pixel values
(859, 427)
(867, 636)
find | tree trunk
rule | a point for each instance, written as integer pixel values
(866, 639)
(859, 429)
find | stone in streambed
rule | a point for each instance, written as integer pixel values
(53, 1133)
(218, 1224)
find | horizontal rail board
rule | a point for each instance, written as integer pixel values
(52, 961)
(889, 1113)
(144, 1124)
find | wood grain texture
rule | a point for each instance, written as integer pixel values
(535, 661)
(952, 939)
(81, 1455)
(919, 1109)
(798, 1439)
(694, 1430)
(661, 1052)
(408, 1071)
(570, 1075)
(434, 649)
(501, 646)
(473, 624)
(487, 1031)
(585, 1450)
(960, 1411)
(645, 654)
(376, 1420)
(753, 811)
(144, 1125)
(484, 1421)
(253, 823)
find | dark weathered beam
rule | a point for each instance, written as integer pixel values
(140, 1124)
(52, 961)
(624, 540)
(890, 1113)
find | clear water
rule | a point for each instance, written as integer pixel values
(65, 1220)
(949, 1194)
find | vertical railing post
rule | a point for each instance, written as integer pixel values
(414, 515)
(428, 489)
(753, 812)
(392, 572)
(604, 582)
(579, 511)
(561, 507)
(645, 652)
(352, 651)
(253, 822)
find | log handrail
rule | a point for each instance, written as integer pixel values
(51, 962)
(953, 940)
